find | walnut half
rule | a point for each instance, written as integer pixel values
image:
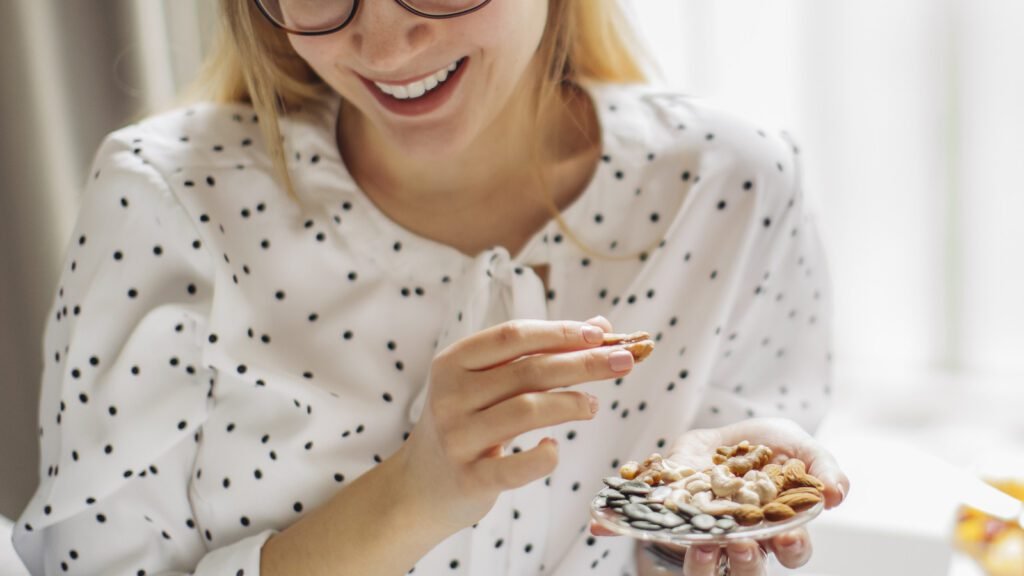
(639, 344)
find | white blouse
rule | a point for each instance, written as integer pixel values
(222, 358)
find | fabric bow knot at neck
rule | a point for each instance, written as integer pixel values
(493, 289)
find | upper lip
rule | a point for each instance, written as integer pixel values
(412, 79)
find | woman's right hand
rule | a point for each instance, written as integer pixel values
(489, 388)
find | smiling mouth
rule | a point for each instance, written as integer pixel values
(422, 96)
(421, 87)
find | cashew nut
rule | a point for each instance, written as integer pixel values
(698, 482)
(672, 471)
(702, 499)
(660, 493)
(724, 483)
(747, 496)
(765, 489)
(679, 496)
(719, 507)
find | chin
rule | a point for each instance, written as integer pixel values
(439, 143)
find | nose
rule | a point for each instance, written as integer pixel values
(385, 35)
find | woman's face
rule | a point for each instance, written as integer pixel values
(387, 52)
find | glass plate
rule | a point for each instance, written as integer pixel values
(609, 519)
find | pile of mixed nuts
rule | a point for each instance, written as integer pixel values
(742, 489)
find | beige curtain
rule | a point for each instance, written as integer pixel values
(72, 71)
(910, 119)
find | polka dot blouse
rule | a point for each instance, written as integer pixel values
(221, 358)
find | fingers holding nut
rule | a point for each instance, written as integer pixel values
(639, 344)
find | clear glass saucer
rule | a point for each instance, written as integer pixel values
(618, 523)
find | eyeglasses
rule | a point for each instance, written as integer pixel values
(319, 17)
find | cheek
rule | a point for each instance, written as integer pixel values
(507, 39)
(511, 29)
(314, 51)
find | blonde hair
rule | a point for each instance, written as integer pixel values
(252, 62)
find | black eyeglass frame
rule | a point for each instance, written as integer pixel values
(355, 8)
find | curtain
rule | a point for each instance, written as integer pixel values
(912, 130)
(72, 72)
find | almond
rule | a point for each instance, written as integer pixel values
(806, 481)
(799, 501)
(802, 490)
(794, 467)
(748, 515)
(777, 511)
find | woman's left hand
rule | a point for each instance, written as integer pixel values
(787, 440)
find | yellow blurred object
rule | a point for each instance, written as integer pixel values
(997, 545)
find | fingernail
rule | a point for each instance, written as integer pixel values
(744, 555)
(597, 319)
(703, 555)
(620, 360)
(593, 334)
(593, 403)
(793, 547)
(842, 493)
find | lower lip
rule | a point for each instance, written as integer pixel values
(425, 104)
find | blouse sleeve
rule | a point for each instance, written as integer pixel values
(775, 350)
(124, 391)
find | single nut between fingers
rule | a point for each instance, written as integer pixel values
(639, 344)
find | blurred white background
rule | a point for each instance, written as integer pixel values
(910, 121)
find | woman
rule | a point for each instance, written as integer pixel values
(318, 322)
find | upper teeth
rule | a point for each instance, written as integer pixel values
(419, 87)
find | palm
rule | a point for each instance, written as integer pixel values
(785, 438)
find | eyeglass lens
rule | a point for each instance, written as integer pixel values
(317, 15)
